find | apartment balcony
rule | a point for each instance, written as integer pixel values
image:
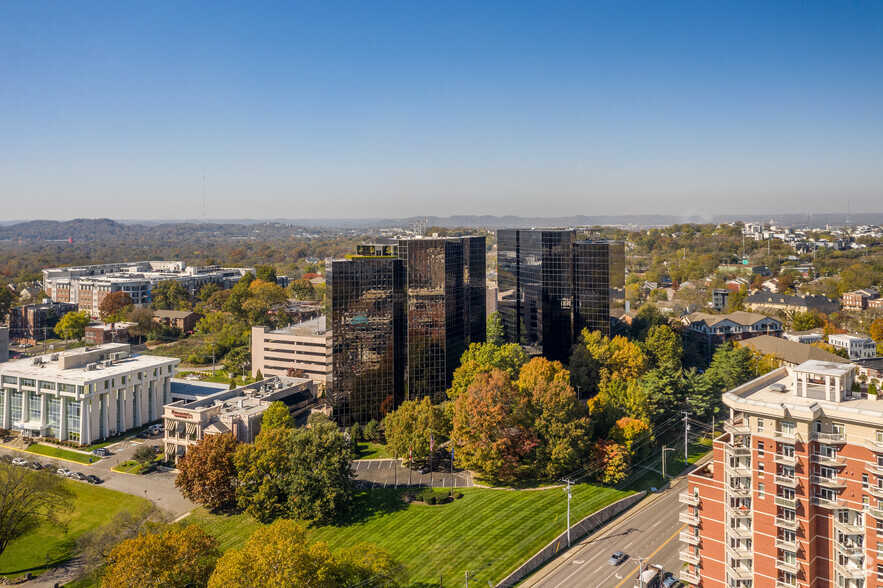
(686, 555)
(850, 571)
(837, 438)
(787, 566)
(781, 584)
(787, 523)
(738, 512)
(689, 518)
(828, 503)
(690, 578)
(740, 572)
(875, 512)
(786, 435)
(786, 502)
(736, 427)
(827, 460)
(874, 445)
(786, 545)
(689, 499)
(688, 538)
(875, 491)
(829, 482)
(731, 450)
(740, 532)
(874, 468)
(848, 528)
(739, 470)
(788, 460)
(787, 481)
(739, 552)
(852, 551)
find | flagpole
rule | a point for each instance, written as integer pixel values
(452, 468)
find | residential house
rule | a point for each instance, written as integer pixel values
(790, 303)
(858, 346)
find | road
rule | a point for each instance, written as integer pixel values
(650, 530)
(384, 473)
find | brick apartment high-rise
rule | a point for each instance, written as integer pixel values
(402, 314)
(794, 494)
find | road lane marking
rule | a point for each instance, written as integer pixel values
(649, 557)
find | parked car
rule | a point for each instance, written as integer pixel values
(670, 581)
(100, 452)
(36, 465)
(77, 476)
(423, 470)
(19, 461)
(143, 435)
(63, 472)
(156, 428)
(617, 558)
(93, 479)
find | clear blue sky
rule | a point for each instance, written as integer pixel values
(330, 109)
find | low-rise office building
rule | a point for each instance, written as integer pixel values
(237, 411)
(858, 346)
(112, 333)
(305, 347)
(85, 394)
(33, 323)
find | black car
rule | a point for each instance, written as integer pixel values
(617, 558)
(93, 479)
(36, 465)
(143, 435)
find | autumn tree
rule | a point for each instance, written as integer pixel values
(366, 563)
(29, 498)
(409, 427)
(207, 473)
(491, 429)
(321, 479)
(614, 462)
(876, 330)
(633, 434)
(278, 416)
(263, 301)
(169, 295)
(142, 322)
(302, 290)
(114, 306)
(482, 358)
(617, 399)
(72, 325)
(265, 273)
(177, 558)
(618, 358)
(496, 333)
(805, 321)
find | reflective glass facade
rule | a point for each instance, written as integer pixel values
(551, 286)
(438, 289)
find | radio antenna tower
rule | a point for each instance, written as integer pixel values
(203, 195)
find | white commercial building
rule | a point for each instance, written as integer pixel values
(858, 346)
(304, 347)
(86, 394)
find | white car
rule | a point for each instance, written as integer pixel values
(19, 461)
(63, 472)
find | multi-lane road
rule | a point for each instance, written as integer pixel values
(650, 530)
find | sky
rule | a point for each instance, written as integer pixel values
(395, 109)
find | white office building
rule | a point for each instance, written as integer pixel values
(86, 394)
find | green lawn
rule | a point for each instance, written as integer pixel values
(488, 530)
(48, 545)
(49, 451)
(372, 451)
(130, 467)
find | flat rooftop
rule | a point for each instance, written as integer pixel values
(314, 326)
(51, 370)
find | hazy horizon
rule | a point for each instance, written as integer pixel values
(394, 109)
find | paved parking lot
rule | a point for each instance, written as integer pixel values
(388, 473)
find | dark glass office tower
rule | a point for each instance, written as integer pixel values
(442, 292)
(367, 295)
(551, 286)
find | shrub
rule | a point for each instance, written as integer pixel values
(458, 495)
(431, 500)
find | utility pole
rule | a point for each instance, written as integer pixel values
(640, 570)
(686, 432)
(569, 491)
(664, 449)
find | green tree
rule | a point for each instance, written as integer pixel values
(258, 376)
(408, 428)
(665, 393)
(321, 478)
(648, 316)
(804, 321)
(263, 300)
(664, 348)
(617, 399)
(364, 564)
(7, 301)
(142, 322)
(730, 367)
(177, 558)
(265, 273)
(276, 416)
(277, 556)
(30, 498)
(207, 473)
(373, 432)
(496, 333)
(144, 455)
(482, 358)
(114, 306)
(73, 325)
(585, 371)
(263, 470)
(302, 290)
(170, 295)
